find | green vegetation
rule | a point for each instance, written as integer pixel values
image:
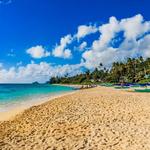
(133, 70)
(142, 90)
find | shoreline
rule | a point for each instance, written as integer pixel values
(16, 110)
(70, 85)
(95, 118)
(77, 86)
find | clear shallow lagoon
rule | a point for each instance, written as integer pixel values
(19, 94)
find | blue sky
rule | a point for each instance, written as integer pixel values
(37, 32)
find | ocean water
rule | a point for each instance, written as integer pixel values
(12, 95)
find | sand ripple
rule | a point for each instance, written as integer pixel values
(93, 119)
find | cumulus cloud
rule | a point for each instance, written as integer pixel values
(132, 36)
(61, 50)
(84, 30)
(134, 27)
(37, 52)
(36, 72)
(82, 46)
(144, 46)
(135, 43)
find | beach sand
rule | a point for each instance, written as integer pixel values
(100, 118)
(19, 108)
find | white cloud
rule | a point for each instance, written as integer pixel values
(107, 31)
(144, 46)
(134, 27)
(61, 50)
(136, 41)
(82, 46)
(36, 72)
(84, 30)
(37, 52)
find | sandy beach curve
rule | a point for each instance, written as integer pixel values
(12, 112)
(100, 118)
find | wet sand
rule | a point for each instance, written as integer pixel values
(100, 118)
(10, 113)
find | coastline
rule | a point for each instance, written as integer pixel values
(70, 85)
(95, 118)
(77, 86)
(11, 113)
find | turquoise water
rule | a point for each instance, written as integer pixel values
(17, 94)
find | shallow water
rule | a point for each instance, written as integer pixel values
(18, 94)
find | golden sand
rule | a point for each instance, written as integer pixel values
(12, 112)
(93, 119)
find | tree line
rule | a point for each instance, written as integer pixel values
(133, 70)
